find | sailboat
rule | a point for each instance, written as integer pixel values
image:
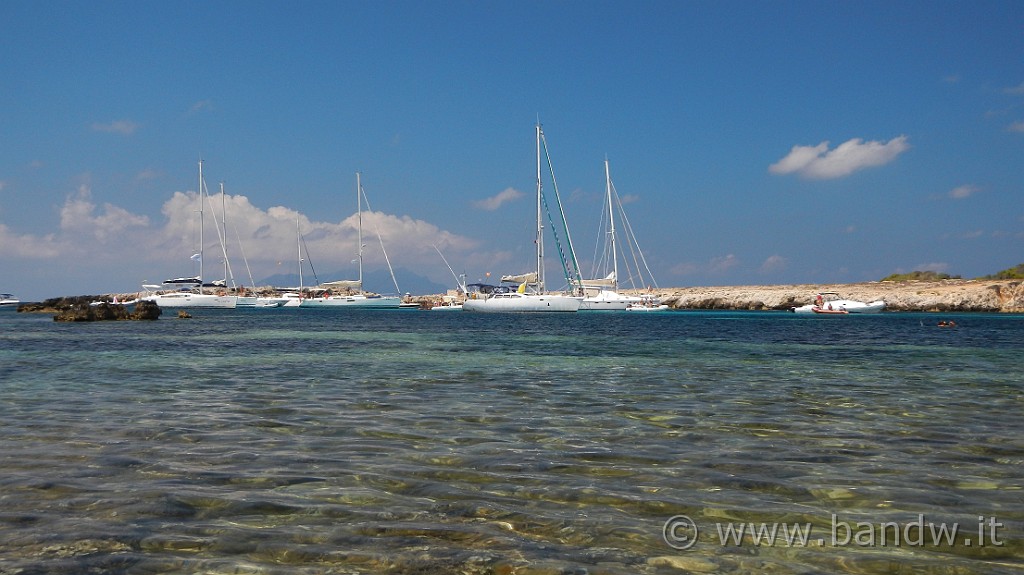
(245, 300)
(196, 296)
(529, 296)
(607, 298)
(354, 295)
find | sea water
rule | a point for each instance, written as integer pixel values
(356, 441)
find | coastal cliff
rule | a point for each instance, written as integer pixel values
(1006, 296)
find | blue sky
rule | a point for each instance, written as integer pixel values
(755, 142)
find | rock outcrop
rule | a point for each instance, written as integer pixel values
(1005, 296)
(143, 310)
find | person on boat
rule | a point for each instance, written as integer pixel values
(818, 300)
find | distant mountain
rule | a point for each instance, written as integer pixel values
(378, 281)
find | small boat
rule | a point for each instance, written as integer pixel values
(647, 303)
(832, 303)
(447, 303)
(8, 299)
(291, 299)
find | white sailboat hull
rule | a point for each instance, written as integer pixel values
(193, 300)
(517, 302)
(608, 300)
(260, 302)
(357, 300)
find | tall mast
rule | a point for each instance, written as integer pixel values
(298, 245)
(359, 217)
(223, 240)
(200, 194)
(540, 221)
(611, 222)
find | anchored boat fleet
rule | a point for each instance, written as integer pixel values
(524, 292)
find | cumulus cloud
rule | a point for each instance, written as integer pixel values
(267, 237)
(818, 162)
(124, 127)
(965, 191)
(494, 202)
(79, 216)
(723, 263)
(773, 263)
(29, 246)
(684, 269)
(109, 235)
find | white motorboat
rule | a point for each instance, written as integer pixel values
(291, 299)
(448, 304)
(830, 303)
(530, 296)
(8, 299)
(647, 303)
(608, 300)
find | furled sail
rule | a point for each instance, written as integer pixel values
(521, 278)
(343, 284)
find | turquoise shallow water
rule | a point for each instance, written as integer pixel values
(339, 441)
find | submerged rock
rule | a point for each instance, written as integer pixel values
(143, 310)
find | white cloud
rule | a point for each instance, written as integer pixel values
(29, 246)
(938, 267)
(111, 247)
(773, 263)
(723, 264)
(818, 162)
(1016, 127)
(965, 191)
(200, 105)
(268, 237)
(125, 127)
(1019, 89)
(147, 174)
(77, 216)
(494, 202)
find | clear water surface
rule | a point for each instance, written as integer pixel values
(341, 441)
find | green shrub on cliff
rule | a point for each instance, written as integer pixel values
(919, 276)
(1014, 273)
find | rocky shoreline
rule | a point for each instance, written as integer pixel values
(955, 295)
